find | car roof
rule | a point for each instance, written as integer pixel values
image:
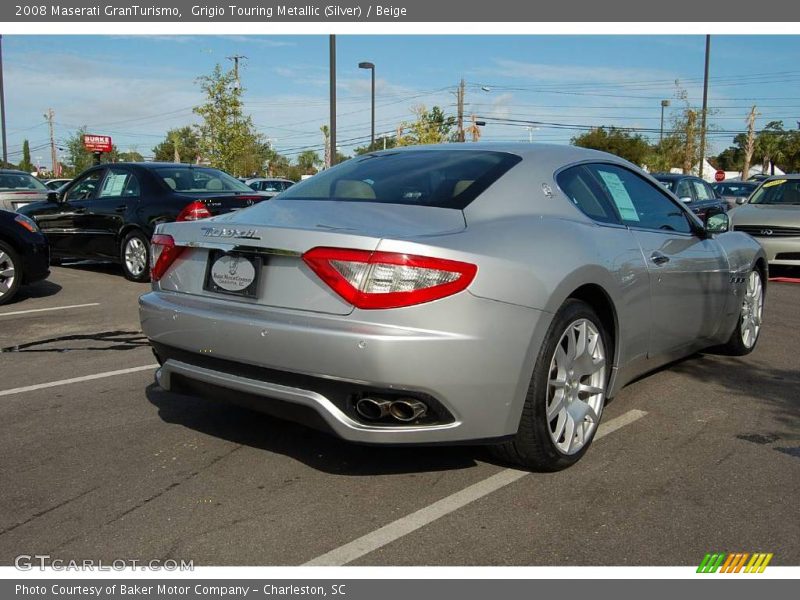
(673, 176)
(14, 172)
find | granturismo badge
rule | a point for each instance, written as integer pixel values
(225, 232)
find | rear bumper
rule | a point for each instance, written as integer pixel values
(475, 372)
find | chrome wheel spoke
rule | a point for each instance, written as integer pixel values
(576, 386)
(556, 405)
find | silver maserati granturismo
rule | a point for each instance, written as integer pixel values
(490, 293)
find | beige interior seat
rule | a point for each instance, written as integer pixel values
(350, 188)
(462, 185)
(214, 185)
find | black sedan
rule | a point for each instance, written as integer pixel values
(24, 256)
(109, 211)
(697, 194)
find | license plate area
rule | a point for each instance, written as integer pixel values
(233, 273)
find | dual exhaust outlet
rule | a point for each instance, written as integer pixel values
(404, 410)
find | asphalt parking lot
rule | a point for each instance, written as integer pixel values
(701, 456)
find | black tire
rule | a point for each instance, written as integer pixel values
(532, 447)
(735, 346)
(9, 259)
(131, 275)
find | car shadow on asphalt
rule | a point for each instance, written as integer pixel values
(316, 449)
(775, 388)
(40, 289)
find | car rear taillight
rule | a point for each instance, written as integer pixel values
(388, 279)
(194, 211)
(163, 253)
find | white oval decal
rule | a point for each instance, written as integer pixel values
(233, 273)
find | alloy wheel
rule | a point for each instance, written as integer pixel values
(576, 386)
(7, 273)
(135, 256)
(752, 309)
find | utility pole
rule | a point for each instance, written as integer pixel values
(705, 111)
(332, 52)
(3, 107)
(236, 58)
(460, 105)
(50, 115)
(664, 104)
(750, 144)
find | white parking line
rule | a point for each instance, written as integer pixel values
(36, 310)
(42, 386)
(405, 525)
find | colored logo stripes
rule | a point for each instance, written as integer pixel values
(734, 562)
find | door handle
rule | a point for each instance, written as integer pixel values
(121, 208)
(659, 258)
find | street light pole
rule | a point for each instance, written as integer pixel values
(3, 107)
(705, 111)
(664, 104)
(371, 67)
(332, 51)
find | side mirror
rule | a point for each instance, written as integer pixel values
(717, 221)
(686, 199)
(53, 197)
(741, 201)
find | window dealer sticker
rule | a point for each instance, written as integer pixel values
(620, 195)
(233, 273)
(773, 183)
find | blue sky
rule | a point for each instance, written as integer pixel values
(135, 87)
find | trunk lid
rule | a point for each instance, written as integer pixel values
(279, 232)
(219, 204)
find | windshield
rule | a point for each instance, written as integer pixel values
(441, 178)
(20, 181)
(778, 191)
(199, 180)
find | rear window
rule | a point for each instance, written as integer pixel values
(20, 181)
(198, 180)
(440, 178)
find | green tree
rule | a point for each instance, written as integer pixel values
(308, 161)
(730, 159)
(78, 157)
(130, 156)
(25, 164)
(430, 127)
(632, 147)
(381, 143)
(228, 139)
(770, 144)
(183, 139)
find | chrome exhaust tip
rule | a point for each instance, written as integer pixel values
(373, 409)
(406, 410)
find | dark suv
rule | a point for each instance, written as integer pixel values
(109, 211)
(698, 195)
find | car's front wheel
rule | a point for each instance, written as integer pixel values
(135, 257)
(566, 395)
(744, 338)
(10, 273)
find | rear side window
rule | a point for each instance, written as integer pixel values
(583, 190)
(440, 178)
(702, 191)
(199, 180)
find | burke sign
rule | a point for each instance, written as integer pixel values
(97, 143)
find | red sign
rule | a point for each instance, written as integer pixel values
(97, 143)
(719, 176)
